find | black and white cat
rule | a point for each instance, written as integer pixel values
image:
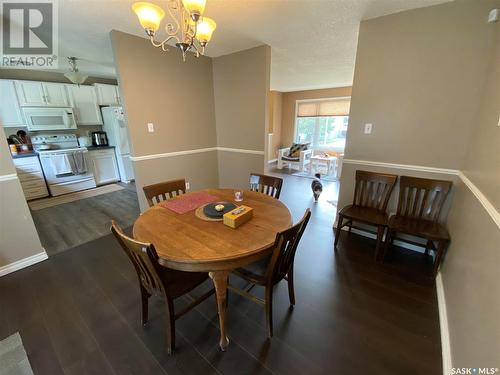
(317, 187)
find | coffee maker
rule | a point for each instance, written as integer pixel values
(99, 139)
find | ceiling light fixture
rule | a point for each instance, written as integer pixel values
(188, 24)
(74, 74)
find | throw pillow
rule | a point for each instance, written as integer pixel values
(297, 148)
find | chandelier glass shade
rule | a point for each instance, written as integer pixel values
(74, 74)
(187, 27)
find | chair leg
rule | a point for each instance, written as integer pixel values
(388, 243)
(337, 233)
(350, 226)
(439, 256)
(144, 299)
(170, 326)
(428, 246)
(269, 310)
(291, 291)
(380, 236)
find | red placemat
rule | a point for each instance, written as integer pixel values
(189, 202)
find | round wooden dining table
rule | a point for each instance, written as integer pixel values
(187, 243)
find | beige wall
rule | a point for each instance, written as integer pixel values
(417, 79)
(241, 89)
(47, 76)
(197, 104)
(275, 112)
(178, 98)
(18, 236)
(288, 111)
(470, 273)
(428, 80)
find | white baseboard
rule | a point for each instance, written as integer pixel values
(405, 245)
(22, 263)
(443, 325)
(272, 161)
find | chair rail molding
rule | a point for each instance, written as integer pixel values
(194, 151)
(487, 205)
(410, 167)
(8, 177)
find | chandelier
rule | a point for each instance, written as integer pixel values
(190, 30)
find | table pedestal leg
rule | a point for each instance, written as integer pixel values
(219, 279)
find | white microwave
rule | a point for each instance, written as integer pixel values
(49, 118)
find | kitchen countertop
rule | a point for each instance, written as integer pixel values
(93, 148)
(24, 155)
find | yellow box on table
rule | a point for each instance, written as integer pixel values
(240, 215)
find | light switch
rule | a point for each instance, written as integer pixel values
(368, 128)
(151, 127)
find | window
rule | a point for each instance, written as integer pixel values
(323, 123)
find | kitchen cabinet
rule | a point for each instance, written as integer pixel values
(55, 94)
(107, 94)
(10, 111)
(30, 93)
(83, 99)
(41, 94)
(29, 172)
(104, 166)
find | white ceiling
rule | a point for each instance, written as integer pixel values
(313, 41)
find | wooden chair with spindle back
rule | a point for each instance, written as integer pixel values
(271, 270)
(371, 196)
(164, 191)
(268, 185)
(154, 278)
(420, 204)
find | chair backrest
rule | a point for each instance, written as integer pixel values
(285, 247)
(373, 190)
(268, 185)
(164, 191)
(143, 257)
(422, 198)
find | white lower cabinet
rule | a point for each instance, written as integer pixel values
(29, 172)
(104, 166)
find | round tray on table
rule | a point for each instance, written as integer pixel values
(209, 213)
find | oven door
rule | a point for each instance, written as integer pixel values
(53, 177)
(39, 118)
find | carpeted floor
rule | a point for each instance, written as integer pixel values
(13, 358)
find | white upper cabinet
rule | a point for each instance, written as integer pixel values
(55, 94)
(30, 93)
(83, 99)
(10, 112)
(41, 94)
(107, 94)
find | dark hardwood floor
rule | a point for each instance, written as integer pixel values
(79, 313)
(67, 225)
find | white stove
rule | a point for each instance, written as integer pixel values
(66, 165)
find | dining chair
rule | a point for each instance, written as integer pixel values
(164, 190)
(271, 270)
(371, 195)
(153, 277)
(419, 206)
(268, 185)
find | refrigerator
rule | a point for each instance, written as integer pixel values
(117, 132)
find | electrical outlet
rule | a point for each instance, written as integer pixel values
(151, 127)
(368, 128)
(188, 186)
